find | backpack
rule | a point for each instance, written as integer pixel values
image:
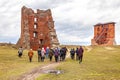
(72, 51)
(56, 52)
(51, 52)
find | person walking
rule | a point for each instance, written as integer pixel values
(61, 54)
(47, 52)
(20, 52)
(65, 52)
(76, 53)
(72, 53)
(80, 54)
(51, 53)
(39, 54)
(30, 54)
(43, 54)
(56, 54)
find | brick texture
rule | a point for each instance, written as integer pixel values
(37, 29)
(104, 34)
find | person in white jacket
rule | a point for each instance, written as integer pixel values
(43, 54)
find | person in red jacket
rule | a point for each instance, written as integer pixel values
(30, 54)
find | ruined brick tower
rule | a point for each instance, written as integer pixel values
(37, 29)
(104, 34)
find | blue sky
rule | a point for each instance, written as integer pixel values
(74, 19)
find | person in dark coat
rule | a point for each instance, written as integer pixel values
(76, 53)
(72, 53)
(50, 54)
(39, 54)
(80, 54)
(65, 52)
(56, 54)
(61, 54)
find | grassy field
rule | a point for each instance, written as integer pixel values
(99, 63)
(11, 66)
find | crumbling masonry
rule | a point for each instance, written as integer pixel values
(104, 34)
(37, 29)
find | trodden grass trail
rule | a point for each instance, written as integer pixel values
(99, 63)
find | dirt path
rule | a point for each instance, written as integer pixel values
(32, 75)
(109, 48)
(88, 48)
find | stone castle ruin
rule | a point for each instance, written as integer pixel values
(104, 34)
(37, 29)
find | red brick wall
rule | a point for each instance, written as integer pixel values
(42, 30)
(104, 34)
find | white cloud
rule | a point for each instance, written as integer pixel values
(72, 38)
(74, 19)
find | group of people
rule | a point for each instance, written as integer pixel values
(58, 53)
(43, 53)
(78, 53)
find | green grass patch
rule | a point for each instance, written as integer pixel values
(11, 66)
(100, 63)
